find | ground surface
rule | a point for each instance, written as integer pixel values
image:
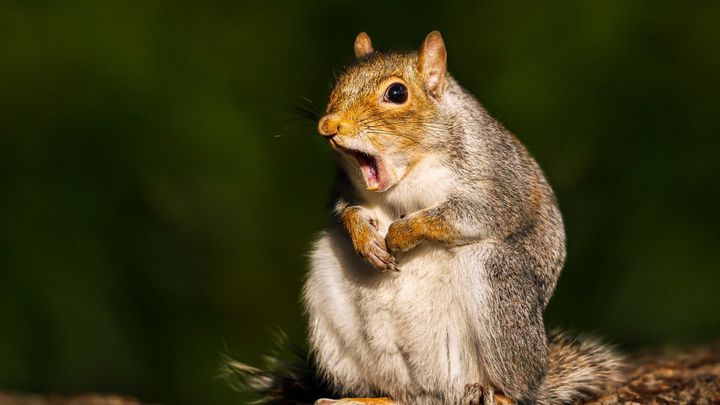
(661, 376)
(671, 376)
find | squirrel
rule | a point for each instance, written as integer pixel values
(444, 248)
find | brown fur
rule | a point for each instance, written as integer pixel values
(356, 102)
(406, 233)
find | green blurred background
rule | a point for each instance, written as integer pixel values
(157, 202)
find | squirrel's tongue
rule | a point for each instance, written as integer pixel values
(369, 169)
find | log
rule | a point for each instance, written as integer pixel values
(670, 376)
(658, 376)
(10, 398)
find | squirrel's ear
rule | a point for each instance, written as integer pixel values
(363, 45)
(432, 63)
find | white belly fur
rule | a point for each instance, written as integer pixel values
(394, 333)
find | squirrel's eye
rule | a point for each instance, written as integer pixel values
(396, 93)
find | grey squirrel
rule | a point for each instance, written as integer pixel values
(445, 245)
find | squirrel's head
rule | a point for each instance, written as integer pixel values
(382, 108)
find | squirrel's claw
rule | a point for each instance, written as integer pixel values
(489, 397)
(355, 401)
(476, 394)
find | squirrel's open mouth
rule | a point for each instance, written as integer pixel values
(369, 168)
(372, 169)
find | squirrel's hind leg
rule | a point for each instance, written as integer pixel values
(355, 401)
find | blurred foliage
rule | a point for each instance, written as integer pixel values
(156, 202)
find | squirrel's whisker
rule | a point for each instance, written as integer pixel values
(370, 120)
(393, 134)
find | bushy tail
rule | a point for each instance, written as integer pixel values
(578, 369)
(289, 376)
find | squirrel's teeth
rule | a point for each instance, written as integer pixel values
(371, 179)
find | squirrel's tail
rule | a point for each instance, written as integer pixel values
(578, 369)
(289, 376)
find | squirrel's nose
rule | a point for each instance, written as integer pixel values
(331, 125)
(328, 126)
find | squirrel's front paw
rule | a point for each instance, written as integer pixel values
(402, 235)
(375, 253)
(370, 245)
